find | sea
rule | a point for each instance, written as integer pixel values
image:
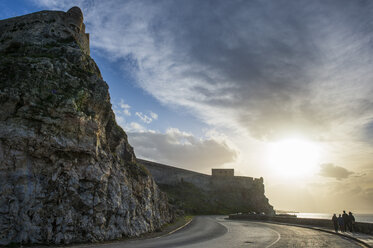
(358, 217)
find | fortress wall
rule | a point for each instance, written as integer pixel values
(164, 174)
(222, 172)
(222, 194)
(238, 182)
(359, 226)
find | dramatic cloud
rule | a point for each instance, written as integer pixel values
(358, 191)
(255, 65)
(330, 170)
(182, 149)
(259, 69)
(350, 194)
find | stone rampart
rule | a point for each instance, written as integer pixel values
(359, 226)
(218, 194)
(222, 172)
(237, 182)
(164, 174)
(169, 175)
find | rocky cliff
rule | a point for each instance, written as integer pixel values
(198, 193)
(67, 171)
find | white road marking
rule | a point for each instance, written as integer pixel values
(278, 238)
(177, 229)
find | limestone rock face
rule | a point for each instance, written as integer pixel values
(67, 171)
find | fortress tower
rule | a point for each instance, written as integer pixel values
(222, 172)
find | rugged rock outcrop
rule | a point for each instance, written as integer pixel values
(67, 171)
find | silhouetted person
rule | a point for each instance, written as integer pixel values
(352, 222)
(346, 220)
(341, 223)
(335, 222)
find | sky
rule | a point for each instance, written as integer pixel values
(279, 89)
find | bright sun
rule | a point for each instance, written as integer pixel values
(293, 157)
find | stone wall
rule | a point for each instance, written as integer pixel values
(359, 226)
(169, 175)
(223, 194)
(222, 172)
(165, 174)
(238, 181)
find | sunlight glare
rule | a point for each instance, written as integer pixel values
(293, 157)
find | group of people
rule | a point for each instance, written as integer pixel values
(344, 222)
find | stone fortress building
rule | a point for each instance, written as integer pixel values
(238, 192)
(164, 174)
(222, 172)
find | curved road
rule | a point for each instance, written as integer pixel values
(216, 232)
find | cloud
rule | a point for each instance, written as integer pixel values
(327, 196)
(125, 108)
(182, 149)
(122, 114)
(324, 197)
(122, 111)
(135, 127)
(154, 115)
(263, 68)
(267, 67)
(358, 191)
(330, 170)
(146, 119)
(130, 126)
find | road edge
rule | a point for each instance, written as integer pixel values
(177, 229)
(323, 230)
(117, 241)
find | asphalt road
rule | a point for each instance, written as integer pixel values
(216, 232)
